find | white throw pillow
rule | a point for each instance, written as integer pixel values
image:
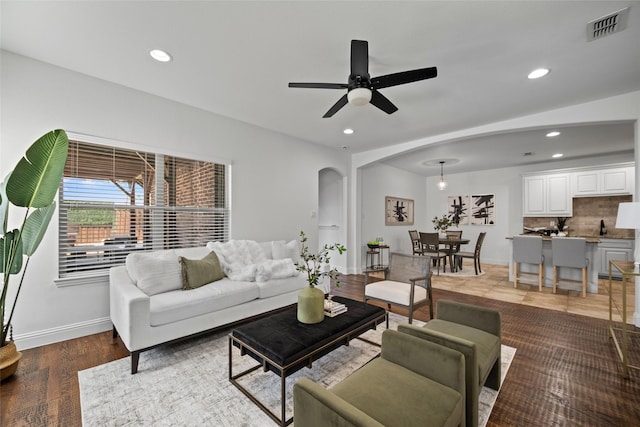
(281, 250)
(155, 272)
(242, 272)
(275, 269)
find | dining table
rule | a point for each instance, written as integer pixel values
(451, 245)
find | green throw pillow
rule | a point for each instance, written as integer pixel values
(196, 273)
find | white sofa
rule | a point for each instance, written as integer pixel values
(149, 307)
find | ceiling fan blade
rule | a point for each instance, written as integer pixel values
(337, 106)
(382, 102)
(320, 85)
(403, 77)
(360, 58)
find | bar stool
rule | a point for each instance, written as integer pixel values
(570, 252)
(527, 250)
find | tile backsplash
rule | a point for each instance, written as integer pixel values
(587, 213)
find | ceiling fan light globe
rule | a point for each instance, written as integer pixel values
(359, 96)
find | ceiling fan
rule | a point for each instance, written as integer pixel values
(362, 88)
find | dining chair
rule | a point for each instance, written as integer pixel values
(453, 249)
(570, 252)
(415, 242)
(527, 250)
(430, 243)
(475, 255)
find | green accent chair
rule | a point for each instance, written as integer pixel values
(475, 332)
(413, 383)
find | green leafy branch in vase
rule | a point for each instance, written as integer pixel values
(318, 265)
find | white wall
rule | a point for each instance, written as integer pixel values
(274, 177)
(379, 181)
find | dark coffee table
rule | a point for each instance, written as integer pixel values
(282, 345)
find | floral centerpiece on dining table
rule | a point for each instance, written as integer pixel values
(442, 224)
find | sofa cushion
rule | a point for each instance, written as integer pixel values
(154, 272)
(266, 248)
(170, 307)
(282, 250)
(196, 273)
(417, 400)
(238, 252)
(487, 345)
(281, 286)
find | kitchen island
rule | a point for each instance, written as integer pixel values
(569, 273)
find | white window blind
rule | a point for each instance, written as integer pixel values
(113, 201)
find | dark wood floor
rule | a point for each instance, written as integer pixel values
(565, 372)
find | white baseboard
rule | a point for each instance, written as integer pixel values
(62, 333)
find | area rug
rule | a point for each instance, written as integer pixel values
(186, 384)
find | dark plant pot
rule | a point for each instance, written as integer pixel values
(9, 359)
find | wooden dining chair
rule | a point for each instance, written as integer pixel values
(475, 255)
(415, 242)
(431, 248)
(453, 249)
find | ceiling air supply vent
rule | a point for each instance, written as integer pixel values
(607, 25)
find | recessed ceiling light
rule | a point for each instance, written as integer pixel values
(557, 155)
(552, 134)
(540, 72)
(348, 131)
(160, 55)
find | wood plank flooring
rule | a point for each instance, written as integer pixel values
(565, 372)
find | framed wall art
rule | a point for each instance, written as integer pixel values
(458, 210)
(398, 211)
(483, 209)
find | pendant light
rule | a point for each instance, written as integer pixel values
(442, 184)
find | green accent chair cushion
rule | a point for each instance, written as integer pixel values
(413, 383)
(475, 332)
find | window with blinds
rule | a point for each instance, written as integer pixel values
(114, 201)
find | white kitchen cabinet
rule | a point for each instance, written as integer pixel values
(604, 181)
(611, 249)
(547, 195)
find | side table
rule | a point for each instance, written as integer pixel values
(375, 257)
(629, 272)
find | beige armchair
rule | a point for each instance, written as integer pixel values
(407, 283)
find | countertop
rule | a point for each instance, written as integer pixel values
(590, 239)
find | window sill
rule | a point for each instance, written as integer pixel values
(98, 279)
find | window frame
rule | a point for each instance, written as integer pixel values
(101, 275)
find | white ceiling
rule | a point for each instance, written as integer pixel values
(236, 58)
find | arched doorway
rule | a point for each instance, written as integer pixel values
(332, 213)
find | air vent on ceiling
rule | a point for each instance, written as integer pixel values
(607, 25)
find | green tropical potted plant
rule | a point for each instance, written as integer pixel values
(32, 185)
(315, 266)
